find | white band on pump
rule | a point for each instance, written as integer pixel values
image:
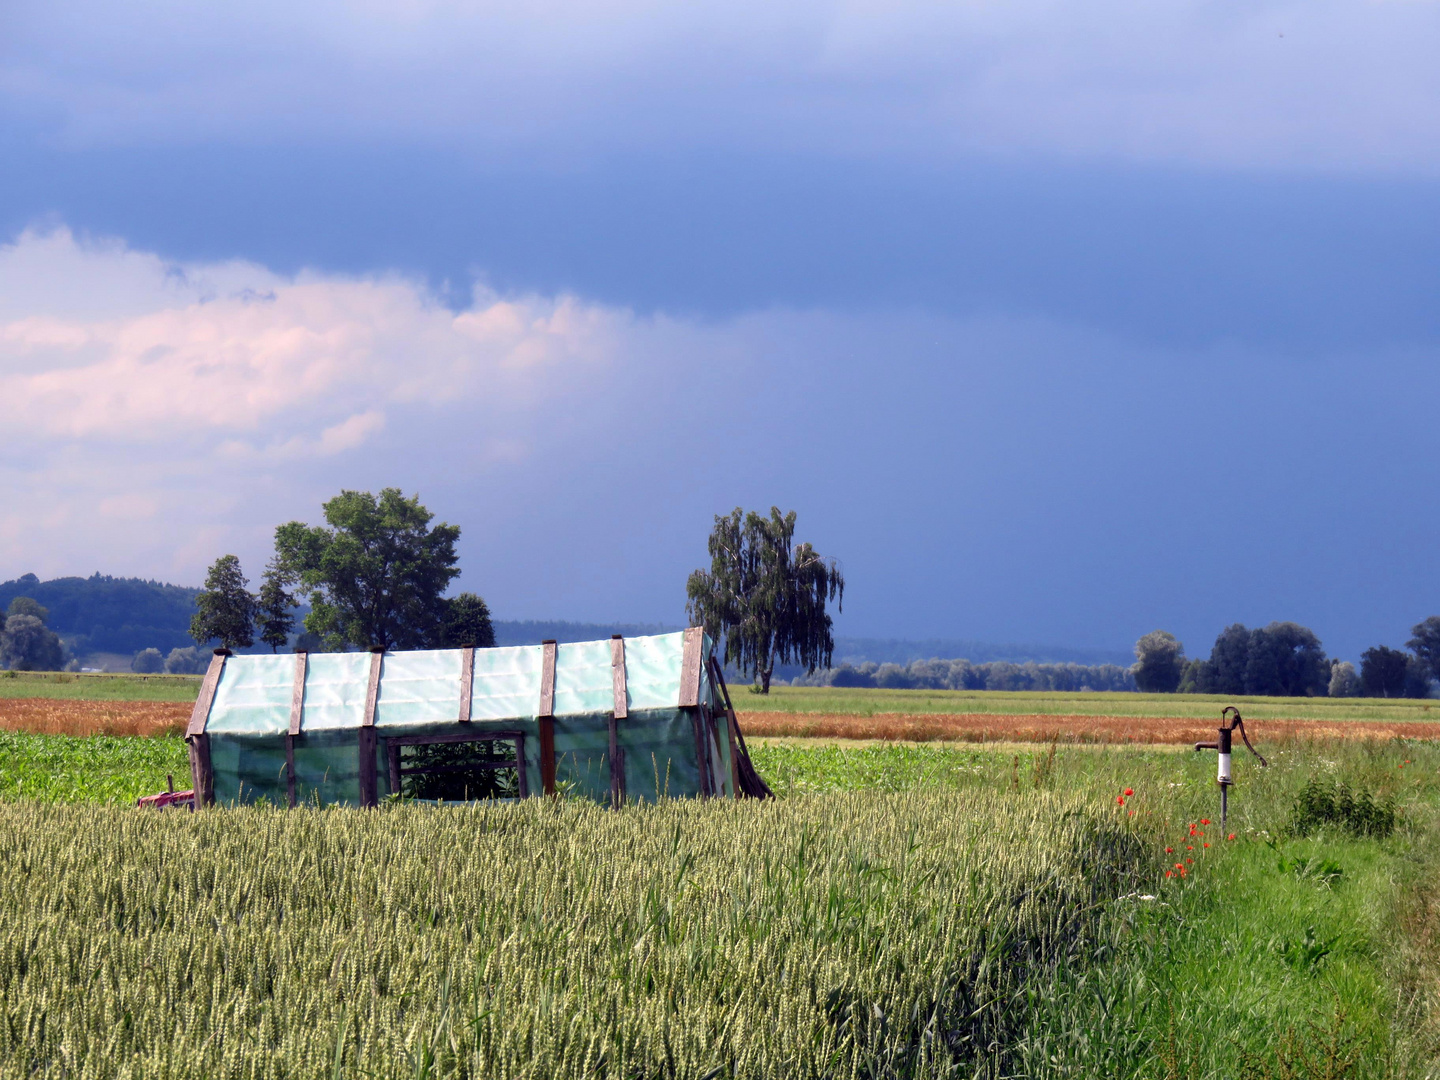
(1224, 777)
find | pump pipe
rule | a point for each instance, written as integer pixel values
(1228, 725)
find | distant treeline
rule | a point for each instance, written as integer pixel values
(107, 614)
(964, 675)
(855, 650)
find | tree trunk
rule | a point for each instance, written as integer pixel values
(765, 679)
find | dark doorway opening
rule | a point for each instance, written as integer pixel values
(459, 768)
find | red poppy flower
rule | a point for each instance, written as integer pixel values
(1120, 799)
(1169, 850)
(1129, 791)
(1207, 843)
(1204, 821)
(1189, 847)
(1230, 837)
(1179, 866)
(1169, 873)
(1189, 862)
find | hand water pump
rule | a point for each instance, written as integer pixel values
(1228, 726)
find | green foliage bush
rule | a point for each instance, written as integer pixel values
(1326, 802)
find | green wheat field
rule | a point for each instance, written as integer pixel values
(899, 911)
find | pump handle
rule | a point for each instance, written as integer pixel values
(1239, 723)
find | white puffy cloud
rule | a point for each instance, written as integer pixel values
(237, 352)
(158, 409)
(1325, 84)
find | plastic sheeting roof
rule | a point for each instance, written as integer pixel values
(420, 688)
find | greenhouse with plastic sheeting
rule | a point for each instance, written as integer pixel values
(616, 721)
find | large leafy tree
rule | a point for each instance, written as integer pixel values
(1282, 659)
(1286, 660)
(1159, 663)
(376, 575)
(27, 644)
(1382, 672)
(1425, 641)
(764, 596)
(225, 608)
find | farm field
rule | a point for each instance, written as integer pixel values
(830, 701)
(98, 687)
(869, 702)
(908, 910)
(1043, 727)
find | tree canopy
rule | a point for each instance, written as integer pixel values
(467, 622)
(1382, 672)
(765, 597)
(1425, 642)
(376, 575)
(1159, 663)
(1282, 659)
(28, 605)
(147, 662)
(26, 644)
(1343, 680)
(225, 609)
(273, 608)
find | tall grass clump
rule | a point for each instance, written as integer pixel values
(1325, 802)
(841, 935)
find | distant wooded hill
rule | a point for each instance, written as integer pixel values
(107, 614)
(124, 615)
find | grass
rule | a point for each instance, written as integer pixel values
(1246, 966)
(866, 702)
(835, 930)
(98, 687)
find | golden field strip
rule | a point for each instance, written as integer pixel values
(68, 716)
(1041, 727)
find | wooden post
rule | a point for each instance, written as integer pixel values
(467, 681)
(202, 775)
(545, 719)
(690, 663)
(520, 776)
(734, 759)
(297, 704)
(369, 781)
(290, 771)
(620, 711)
(697, 721)
(201, 712)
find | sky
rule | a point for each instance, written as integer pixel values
(1054, 323)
